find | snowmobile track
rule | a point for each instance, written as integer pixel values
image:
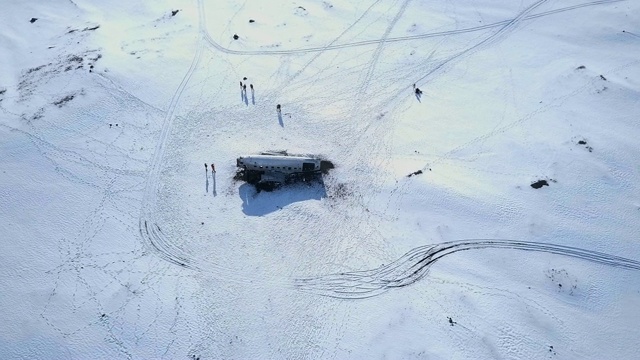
(415, 265)
(508, 26)
(329, 47)
(153, 238)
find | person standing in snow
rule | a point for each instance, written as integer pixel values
(278, 109)
(205, 167)
(213, 168)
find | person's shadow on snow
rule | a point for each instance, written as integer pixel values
(253, 98)
(418, 95)
(213, 177)
(280, 119)
(206, 175)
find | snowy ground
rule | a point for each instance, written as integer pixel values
(117, 245)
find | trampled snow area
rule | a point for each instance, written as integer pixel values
(116, 243)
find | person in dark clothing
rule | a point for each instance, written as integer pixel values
(278, 109)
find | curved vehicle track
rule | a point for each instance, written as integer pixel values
(415, 265)
(508, 25)
(151, 234)
(505, 23)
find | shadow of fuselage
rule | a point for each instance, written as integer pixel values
(259, 203)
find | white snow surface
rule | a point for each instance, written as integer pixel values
(115, 244)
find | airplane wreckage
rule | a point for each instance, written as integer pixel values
(269, 171)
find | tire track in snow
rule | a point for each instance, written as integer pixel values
(506, 25)
(221, 48)
(488, 40)
(150, 232)
(415, 264)
(370, 126)
(368, 115)
(378, 52)
(328, 46)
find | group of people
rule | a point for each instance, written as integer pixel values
(243, 92)
(213, 167)
(243, 87)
